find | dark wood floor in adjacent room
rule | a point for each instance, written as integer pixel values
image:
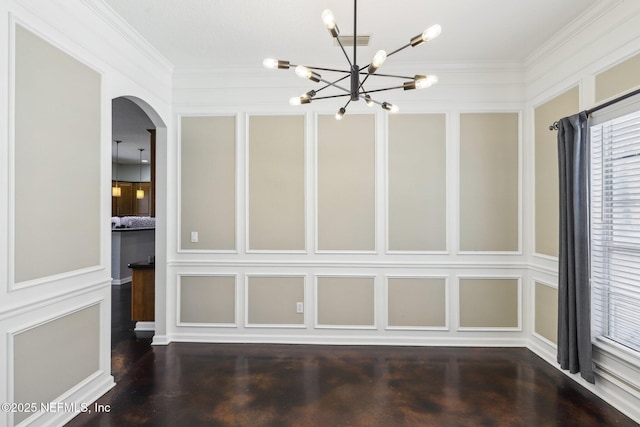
(298, 385)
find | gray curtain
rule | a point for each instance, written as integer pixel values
(574, 296)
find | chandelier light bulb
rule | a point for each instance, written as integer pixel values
(390, 107)
(368, 100)
(340, 113)
(328, 19)
(303, 72)
(270, 63)
(431, 33)
(295, 101)
(377, 61)
(426, 81)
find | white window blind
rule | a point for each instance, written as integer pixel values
(615, 229)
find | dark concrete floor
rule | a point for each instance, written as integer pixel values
(186, 384)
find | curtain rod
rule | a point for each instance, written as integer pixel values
(554, 126)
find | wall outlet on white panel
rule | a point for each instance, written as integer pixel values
(194, 237)
(299, 307)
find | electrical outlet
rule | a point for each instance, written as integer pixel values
(194, 237)
(299, 307)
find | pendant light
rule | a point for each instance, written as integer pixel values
(140, 191)
(116, 191)
(356, 75)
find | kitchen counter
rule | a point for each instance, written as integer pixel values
(129, 245)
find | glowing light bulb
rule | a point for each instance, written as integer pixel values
(431, 33)
(328, 19)
(340, 113)
(270, 63)
(303, 71)
(295, 101)
(425, 82)
(379, 58)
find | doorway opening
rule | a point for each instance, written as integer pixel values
(137, 131)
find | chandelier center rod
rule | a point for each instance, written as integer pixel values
(355, 70)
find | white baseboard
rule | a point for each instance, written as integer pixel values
(120, 282)
(341, 340)
(145, 327)
(81, 396)
(607, 387)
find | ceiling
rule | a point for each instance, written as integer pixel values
(220, 34)
(241, 33)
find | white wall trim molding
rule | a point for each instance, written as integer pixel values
(122, 27)
(447, 295)
(98, 382)
(179, 323)
(518, 278)
(51, 299)
(373, 326)
(305, 301)
(388, 263)
(306, 154)
(607, 387)
(238, 186)
(571, 31)
(83, 395)
(351, 337)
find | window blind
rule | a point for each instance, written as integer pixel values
(615, 229)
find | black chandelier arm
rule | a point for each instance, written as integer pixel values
(335, 85)
(390, 75)
(331, 96)
(329, 85)
(380, 90)
(399, 49)
(328, 69)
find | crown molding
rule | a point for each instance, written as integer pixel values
(122, 27)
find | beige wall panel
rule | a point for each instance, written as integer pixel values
(276, 183)
(489, 182)
(417, 302)
(272, 300)
(546, 312)
(208, 189)
(618, 79)
(346, 301)
(489, 303)
(51, 358)
(546, 170)
(417, 182)
(346, 183)
(57, 160)
(207, 299)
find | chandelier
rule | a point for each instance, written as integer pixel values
(357, 75)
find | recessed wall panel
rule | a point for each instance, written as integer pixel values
(345, 301)
(207, 299)
(51, 358)
(272, 300)
(546, 312)
(276, 183)
(417, 182)
(417, 302)
(489, 303)
(208, 182)
(57, 160)
(489, 176)
(546, 169)
(618, 79)
(346, 183)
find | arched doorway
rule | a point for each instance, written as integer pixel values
(143, 136)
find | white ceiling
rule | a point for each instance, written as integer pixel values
(241, 33)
